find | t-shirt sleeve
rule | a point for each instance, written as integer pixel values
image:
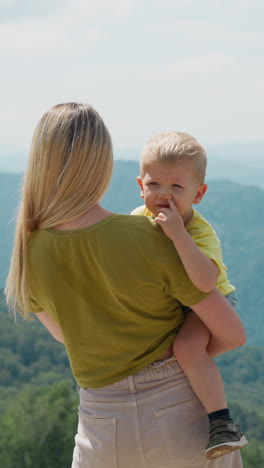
(207, 241)
(186, 293)
(141, 211)
(34, 307)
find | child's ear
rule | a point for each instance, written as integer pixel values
(200, 193)
(140, 183)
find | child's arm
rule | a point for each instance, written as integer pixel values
(202, 271)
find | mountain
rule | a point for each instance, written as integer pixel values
(38, 403)
(233, 209)
(243, 173)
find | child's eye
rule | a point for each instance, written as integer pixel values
(153, 183)
(177, 186)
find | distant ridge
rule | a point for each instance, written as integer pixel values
(240, 162)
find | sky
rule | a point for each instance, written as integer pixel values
(147, 66)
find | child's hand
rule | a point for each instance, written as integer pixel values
(170, 220)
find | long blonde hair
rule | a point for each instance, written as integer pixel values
(69, 168)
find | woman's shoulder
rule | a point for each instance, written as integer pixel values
(115, 223)
(144, 223)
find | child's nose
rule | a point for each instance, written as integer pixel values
(165, 194)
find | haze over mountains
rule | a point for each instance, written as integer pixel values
(240, 162)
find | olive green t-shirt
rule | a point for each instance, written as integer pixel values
(115, 289)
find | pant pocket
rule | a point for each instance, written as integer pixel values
(184, 429)
(95, 442)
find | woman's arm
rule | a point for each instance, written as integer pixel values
(51, 325)
(224, 324)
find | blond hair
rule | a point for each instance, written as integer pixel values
(172, 147)
(69, 168)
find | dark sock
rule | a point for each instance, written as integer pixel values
(221, 414)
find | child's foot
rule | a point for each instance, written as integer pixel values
(225, 436)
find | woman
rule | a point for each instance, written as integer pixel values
(109, 287)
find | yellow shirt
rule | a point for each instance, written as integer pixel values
(206, 239)
(115, 290)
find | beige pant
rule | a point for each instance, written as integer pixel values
(149, 420)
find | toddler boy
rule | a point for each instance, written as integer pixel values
(172, 173)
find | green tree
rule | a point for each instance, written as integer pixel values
(253, 455)
(38, 428)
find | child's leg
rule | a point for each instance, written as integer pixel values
(189, 348)
(215, 346)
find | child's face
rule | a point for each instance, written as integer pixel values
(176, 181)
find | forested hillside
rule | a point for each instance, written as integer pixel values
(38, 410)
(234, 210)
(38, 401)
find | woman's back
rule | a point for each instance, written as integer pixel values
(111, 286)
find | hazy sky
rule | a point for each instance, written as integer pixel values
(146, 65)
